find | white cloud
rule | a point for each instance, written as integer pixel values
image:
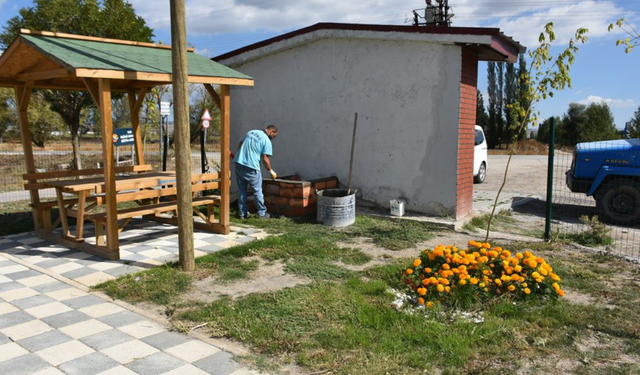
(521, 19)
(613, 103)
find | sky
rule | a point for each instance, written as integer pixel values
(601, 72)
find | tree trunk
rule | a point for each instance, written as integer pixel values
(75, 143)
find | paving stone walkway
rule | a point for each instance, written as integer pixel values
(52, 324)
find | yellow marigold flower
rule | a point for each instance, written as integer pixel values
(555, 277)
(498, 249)
(498, 282)
(519, 255)
(447, 289)
(430, 304)
(555, 286)
(422, 291)
(416, 262)
(486, 289)
(518, 268)
(527, 291)
(445, 266)
(533, 264)
(462, 282)
(528, 254)
(473, 281)
(440, 287)
(409, 271)
(421, 301)
(506, 253)
(481, 285)
(433, 280)
(486, 245)
(544, 271)
(535, 275)
(524, 285)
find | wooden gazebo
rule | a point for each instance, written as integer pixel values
(56, 61)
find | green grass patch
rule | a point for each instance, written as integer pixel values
(158, 285)
(501, 221)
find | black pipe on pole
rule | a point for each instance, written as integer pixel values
(203, 155)
(552, 151)
(165, 148)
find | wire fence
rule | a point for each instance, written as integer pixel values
(597, 203)
(58, 156)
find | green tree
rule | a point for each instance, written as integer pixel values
(108, 19)
(522, 97)
(510, 96)
(43, 121)
(544, 130)
(493, 135)
(599, 124)
(573, 121)
(7, 113)
(634, 125)
(482, 118)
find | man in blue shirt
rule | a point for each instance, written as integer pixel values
(255, 147)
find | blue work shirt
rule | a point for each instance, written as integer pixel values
(255, 144)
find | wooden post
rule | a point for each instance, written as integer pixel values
(225, 167)
(23, 97)
(181, 133)
(134, 107)
(109, 170)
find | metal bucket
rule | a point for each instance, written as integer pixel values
(336, 208)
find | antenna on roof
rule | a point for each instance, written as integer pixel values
(438, 14)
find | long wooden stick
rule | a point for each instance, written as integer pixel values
(353, 143)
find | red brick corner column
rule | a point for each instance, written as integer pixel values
(466, 132)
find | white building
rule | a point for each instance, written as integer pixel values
(414, 89)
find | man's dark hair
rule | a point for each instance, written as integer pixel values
(273, 128)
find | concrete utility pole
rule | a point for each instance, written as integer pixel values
(181, 132)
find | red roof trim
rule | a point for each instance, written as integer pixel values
(494, 32)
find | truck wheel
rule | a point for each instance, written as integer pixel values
(618, 202)
(482, 174)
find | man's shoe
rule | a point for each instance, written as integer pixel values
(265, 216)
(244, 217)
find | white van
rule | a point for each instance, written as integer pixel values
(480, 157)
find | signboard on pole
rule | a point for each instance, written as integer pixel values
(206, 119)
(165, 109)
(123, 137)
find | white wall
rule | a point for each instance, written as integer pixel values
(407, 95)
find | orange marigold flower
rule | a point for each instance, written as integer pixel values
(462, 282)
(430, 304)
(560, 292)
(427, 270)
(555, 277)
(425, 282)
(519, 255)
(422, 291)
(473, 281)
(417, 262)
(486, 245)
(539, 260)
(445, 266)
(447, 289)
(533, 264)
(528, 254)
(511, 288)
(518, 268)
(421, 301)
(409, 271)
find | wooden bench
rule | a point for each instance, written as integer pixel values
(34, 182)
(147, 193)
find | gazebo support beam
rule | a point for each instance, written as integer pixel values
(109, 170)
(225, 165)
(134, 106)
(23, 97)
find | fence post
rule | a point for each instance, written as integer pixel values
(552, 151)
(203, 155)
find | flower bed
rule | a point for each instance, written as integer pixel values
(452, 276)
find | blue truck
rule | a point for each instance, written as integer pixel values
(609, 171)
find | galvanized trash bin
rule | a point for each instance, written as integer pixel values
(336, 208)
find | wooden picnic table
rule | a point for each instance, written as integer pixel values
(145, 189)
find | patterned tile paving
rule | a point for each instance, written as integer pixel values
(48, 326)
